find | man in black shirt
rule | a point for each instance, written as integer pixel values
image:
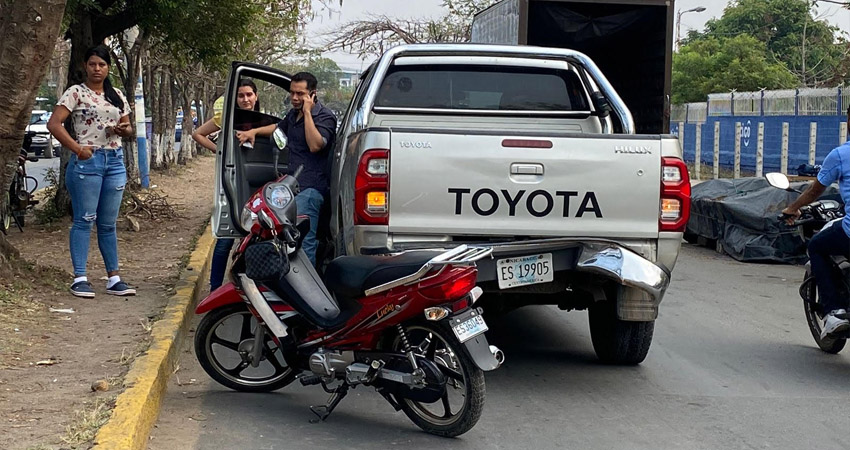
(310, 128)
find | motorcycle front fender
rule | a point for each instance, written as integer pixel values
(225, 295)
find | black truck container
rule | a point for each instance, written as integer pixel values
(630, 40)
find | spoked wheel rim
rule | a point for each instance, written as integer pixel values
(450, 408)
(6, 212)
(228, 345)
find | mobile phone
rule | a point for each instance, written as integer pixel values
(313, 96)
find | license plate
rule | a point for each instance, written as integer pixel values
(469, 328)
(520, 271)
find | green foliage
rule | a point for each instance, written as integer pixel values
(47, 212)
(807, 47)
(720, 65)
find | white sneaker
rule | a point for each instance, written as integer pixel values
(833, 325)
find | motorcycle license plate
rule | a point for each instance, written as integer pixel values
(468, 328)
(513, 272)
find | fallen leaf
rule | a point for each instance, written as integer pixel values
(46, 362)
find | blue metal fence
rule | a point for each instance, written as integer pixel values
(799, 134)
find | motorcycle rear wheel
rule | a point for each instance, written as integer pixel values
(465, 382)
(815, 322)
(220, 355)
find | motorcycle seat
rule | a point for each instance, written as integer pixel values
(351, 276)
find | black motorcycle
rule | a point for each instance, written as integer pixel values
(19, 197)
(815, 217)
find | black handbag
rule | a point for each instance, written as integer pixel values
(266, 261)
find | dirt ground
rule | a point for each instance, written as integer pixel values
(54, 346)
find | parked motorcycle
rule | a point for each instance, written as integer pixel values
(19, 197)
(815, 217)
(405, 324)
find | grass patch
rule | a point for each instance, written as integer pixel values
(21, 312)
(87, 422)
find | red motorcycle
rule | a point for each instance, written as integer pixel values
(404, 324)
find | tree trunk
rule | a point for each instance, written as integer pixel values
(187, 148)
(151, 75)
(131, 74)
(198, 92)
(171, 116)
(81, 40)
(28, 32)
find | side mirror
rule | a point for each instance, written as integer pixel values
(603, 107)
(778, 180)
(280, 139)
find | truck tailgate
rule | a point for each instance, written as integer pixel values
(444, 182)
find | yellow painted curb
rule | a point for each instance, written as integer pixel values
(137, 408)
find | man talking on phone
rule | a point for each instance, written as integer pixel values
(310, 128)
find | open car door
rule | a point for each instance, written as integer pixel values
(241, 171)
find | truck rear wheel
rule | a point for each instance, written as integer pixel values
(618, 341)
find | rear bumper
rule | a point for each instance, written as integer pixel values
(644, 282)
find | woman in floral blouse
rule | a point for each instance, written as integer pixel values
(96, 175)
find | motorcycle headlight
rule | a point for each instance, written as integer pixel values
(279, 197)
(247, 219)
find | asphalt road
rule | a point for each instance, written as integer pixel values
(732, 366)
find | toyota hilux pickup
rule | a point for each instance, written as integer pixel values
(528, 150)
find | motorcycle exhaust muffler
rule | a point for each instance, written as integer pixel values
(498, 354)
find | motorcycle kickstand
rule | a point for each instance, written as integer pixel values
(389, 398)
(323, 411)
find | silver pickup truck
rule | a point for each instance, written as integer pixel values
(528, 150)
(525, 149)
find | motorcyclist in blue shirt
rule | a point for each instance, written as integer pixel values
(832, 240)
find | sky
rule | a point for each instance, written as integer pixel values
(359, 9)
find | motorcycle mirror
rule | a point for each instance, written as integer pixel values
(280, 139)
(778, 180)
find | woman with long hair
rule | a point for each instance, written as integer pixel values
(246, 98)
(95, 176)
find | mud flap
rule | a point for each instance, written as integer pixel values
(479, 350)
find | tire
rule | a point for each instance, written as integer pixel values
(691, 238)
(210, 348)
(445, 351)
(815, 322)
(618, 341)
(5, 212)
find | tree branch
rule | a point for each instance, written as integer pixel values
(105, 26)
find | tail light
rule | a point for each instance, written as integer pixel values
(675, 204)
(371, 188)
(453, 288)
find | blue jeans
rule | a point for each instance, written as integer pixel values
(219, 261)
(309, 202)
(828, 242)
(96, 186)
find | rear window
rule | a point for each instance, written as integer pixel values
(482, 88)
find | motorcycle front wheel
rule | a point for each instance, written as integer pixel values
(224, 340)
(460, 407)
(815, 319)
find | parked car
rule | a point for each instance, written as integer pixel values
(43, 143)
